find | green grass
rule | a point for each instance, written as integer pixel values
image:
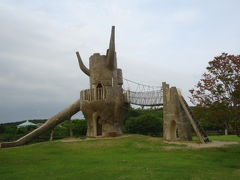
(220, 138)
(132, 157)
(226, 138)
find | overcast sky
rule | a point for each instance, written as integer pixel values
(156, 41)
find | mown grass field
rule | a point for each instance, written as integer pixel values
(132, 157)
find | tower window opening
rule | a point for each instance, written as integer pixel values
(99, 92)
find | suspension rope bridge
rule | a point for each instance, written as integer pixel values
(142, 94)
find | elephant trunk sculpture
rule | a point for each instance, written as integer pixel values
(65, 114)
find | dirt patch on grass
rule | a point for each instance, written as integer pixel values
(173, 147)
(71, 140)
(91, 138)
(200, 145)
(172, 144)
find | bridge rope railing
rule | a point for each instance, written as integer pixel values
(141, 94)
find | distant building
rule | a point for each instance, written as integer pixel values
(25, 124)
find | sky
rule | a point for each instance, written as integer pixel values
(156, 41)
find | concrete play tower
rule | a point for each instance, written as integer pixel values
(105, 103)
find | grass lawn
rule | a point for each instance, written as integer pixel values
(226, 138)
(132, 157)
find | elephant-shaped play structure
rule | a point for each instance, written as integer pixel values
(105, 103)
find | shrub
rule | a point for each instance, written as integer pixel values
(79, 127)
(25, 130)
(2, 128)
(146, 124)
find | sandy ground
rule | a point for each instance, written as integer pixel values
(198, 145)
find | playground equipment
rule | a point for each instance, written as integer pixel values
(105, 103)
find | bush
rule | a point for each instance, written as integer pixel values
(146, 124)
(79, 127)
(2, 128)
(25, 130)
(61, 130)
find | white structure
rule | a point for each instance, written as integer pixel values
(27, 123)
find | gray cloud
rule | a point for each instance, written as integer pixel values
(156, 42)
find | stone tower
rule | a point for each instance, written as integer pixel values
(176, 124)
(103, 104)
